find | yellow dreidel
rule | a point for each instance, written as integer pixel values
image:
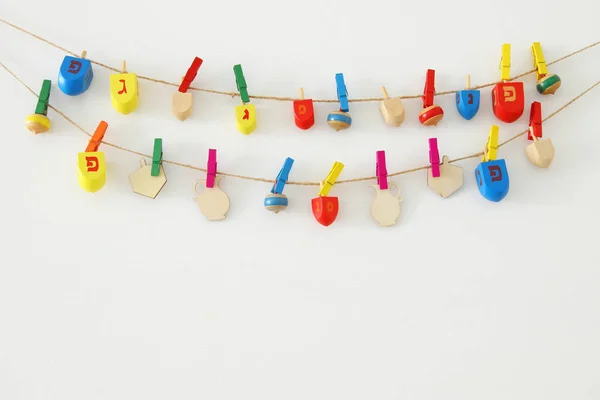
(245, 115)
(124, 91)
(39, 122)
(90, 164)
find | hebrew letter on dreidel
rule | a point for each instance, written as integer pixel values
(510, 93)
(246, 114)
(302, 110)
(495, 173)
(92, 164)
(74, 67)
(124, 90)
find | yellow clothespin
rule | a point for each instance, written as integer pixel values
(505, 63)
(538, 60)
(491, 147)
(328, 183)
(546, 83)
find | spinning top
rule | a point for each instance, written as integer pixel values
(340, 119)
(39, 122)
(276, 200)
(431, 113)
(546, 83)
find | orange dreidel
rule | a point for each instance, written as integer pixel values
(508, 98)
(431, 113)
(541, 151)
(90, 164)
(304, 114)
(182, 99)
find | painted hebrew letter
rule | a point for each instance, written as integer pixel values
(479, 182)
(124, 90)
(470, 98)
(74, 67)
(510, 94)
(246, 114)
(302, 109)
(495, 173)
(92, 164)
(330, 206)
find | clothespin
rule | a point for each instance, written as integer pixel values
(434, 157)
(42, 105)
(535, 120)
(429, 91)
(342, 92)
(505, 63)
(491, 147)
(538, 60)
(241, 83)
(282, 177)
(328, 183)
(91, 167)
(38, 122)
(97, 137)
(190, 75)
(546, 83)
(157, 156)
(211, 168)
(381, 170)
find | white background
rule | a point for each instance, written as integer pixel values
(115, 296)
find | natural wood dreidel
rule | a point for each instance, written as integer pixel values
(391, 109)
(541, 151)
(182, 99)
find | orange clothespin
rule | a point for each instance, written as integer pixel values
(90, 164)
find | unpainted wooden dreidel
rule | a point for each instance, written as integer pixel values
(340, 119)
(431, 114)
(182, 99)
(304, 113)
(443, 178)
(546, 83)
(39, 122)
(467, 101)
(541, 151)
(212, 201)
(90, 164)
(124, 91)
(491, 174)
(245, 115)
(392, 109)
(325, 208)
(75, 75)
(277, 201)
(385, 208)
(148, 180)
(508, 98)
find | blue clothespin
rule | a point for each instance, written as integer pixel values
(342, 92)
(282, 177)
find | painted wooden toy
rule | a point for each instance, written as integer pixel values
(431, 113)
(340, 119)
(508, 98)
(491, 174)
(277, 201)
(541, 151)
(546, 83)
(39, 122)
(325, 208)
(391, 109)
(245, 115)
(304, 113)
(444, 178)
(385, 208)
(90, 164)
(212, 201)
(182, 99)
(467, 101)
(124, 91)
(75, 75)
(148, 180)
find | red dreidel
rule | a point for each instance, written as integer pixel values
(508, 98)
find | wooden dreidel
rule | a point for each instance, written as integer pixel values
(491, 174)
(245, 115)
(467, 101)
(148, 180)
(75, 75)
(546, 83)
(508, 98)
(182, 99)
(385, 208)
(212, 201)
(325, 208)
(90, 164)
(444, 178)
(276, 200)
(39, 122)
(304, 113)
(431, 113)
(124, 91)
(391, 109)
(540, 152)
(340, 119)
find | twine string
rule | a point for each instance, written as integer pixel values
(278, 98)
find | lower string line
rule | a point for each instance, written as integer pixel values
(251, 178)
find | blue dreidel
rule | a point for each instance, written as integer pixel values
(491, 174)
(467, 101)
(75, 75)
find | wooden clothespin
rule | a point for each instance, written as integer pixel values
(39, 121)
(91, 166)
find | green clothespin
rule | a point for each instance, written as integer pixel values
(157, 156)
(42, 104)
(241, 83)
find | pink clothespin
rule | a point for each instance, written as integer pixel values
(434, 157)
(381, 170)
(211, 168)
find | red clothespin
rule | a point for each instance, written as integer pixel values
(429, 91)
(96, 139)
(535, 120)
(211, 168)
(434, 157)
(190, 75)
(381, 170)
